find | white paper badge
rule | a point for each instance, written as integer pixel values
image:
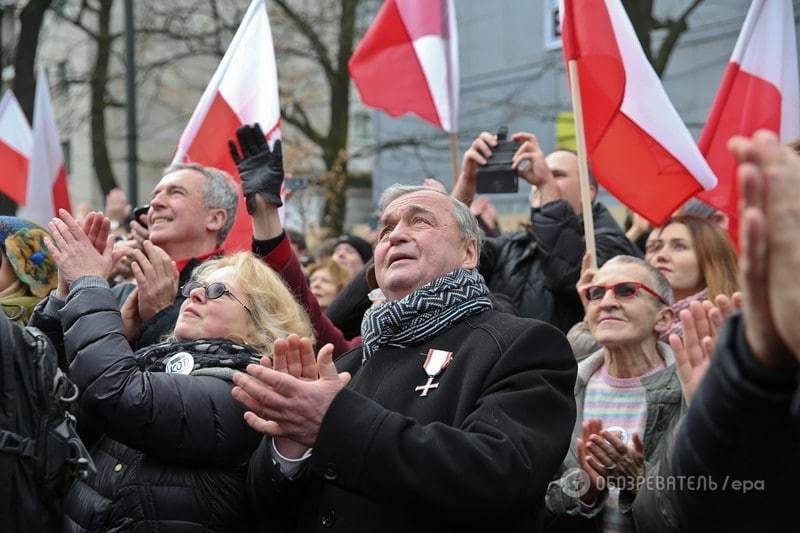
(180, 363)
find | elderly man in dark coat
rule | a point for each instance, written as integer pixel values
(456, 416)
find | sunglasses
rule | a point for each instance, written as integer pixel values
(212, 291)
(624, 290)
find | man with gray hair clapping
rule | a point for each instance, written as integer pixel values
(456, 416)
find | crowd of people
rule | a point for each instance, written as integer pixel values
(445, 377)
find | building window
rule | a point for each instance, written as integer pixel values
(552, 25)
(362, 125)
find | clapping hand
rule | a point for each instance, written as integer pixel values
(615, 459)
(76, 253)
(286, 401)
(589, 463)
(693, 349)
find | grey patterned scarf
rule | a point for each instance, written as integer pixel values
(425, 312)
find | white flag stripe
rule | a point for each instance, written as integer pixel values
(14, 128)
(452, 65)
(431, 53)
(47, 158)
(769, 32)
(646, 102)
(790, 78)
(246, 93)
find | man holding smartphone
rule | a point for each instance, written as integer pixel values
(537, 267)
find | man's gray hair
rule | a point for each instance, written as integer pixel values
(466, 221)
(219, 193)
(660, 283)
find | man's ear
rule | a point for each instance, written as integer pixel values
(664, 320)
(215, 220)
(470, 255)
(592, 191)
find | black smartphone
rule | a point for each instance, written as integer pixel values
(497, 176)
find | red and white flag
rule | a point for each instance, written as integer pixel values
(47, 174)
(243, 90)
(759, 90)
(638, 146)
(16, 142)
(407, 61)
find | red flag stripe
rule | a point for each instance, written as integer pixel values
(746, 104)
(209, 147)
(61, 192)
(667, 185)
(14, 182)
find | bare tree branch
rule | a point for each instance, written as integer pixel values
(320, 50)
(675, 28)
(298, 118)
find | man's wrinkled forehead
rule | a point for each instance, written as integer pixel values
(187, 179)
(389, 217)
(432, 202)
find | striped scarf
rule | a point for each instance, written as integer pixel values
(425, 312)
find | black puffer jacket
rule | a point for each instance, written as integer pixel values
(175, 447)
(538, 268)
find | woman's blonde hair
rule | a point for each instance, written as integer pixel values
(274, 309)
(341, 276)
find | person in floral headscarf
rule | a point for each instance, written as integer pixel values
(27, 270)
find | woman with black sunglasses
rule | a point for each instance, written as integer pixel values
(173, 445)
(627, 395)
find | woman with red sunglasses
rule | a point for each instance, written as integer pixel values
(698, 260)
(627, 396)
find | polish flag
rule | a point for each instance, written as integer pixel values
(47, 174)
(407, 61)
(16, 142)
(243, 90)
(638, 146)
(759, 90)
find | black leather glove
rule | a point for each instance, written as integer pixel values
(261, 170)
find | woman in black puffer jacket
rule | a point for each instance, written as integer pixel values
(173, 446)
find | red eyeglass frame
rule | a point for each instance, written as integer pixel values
(614, 286)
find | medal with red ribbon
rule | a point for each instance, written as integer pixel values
(435, 363)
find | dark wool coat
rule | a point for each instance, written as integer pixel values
(476, 454)
(174, 448)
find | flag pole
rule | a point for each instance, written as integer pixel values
(583, 167)
(454, 155)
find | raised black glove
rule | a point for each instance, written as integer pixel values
(261, 170)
